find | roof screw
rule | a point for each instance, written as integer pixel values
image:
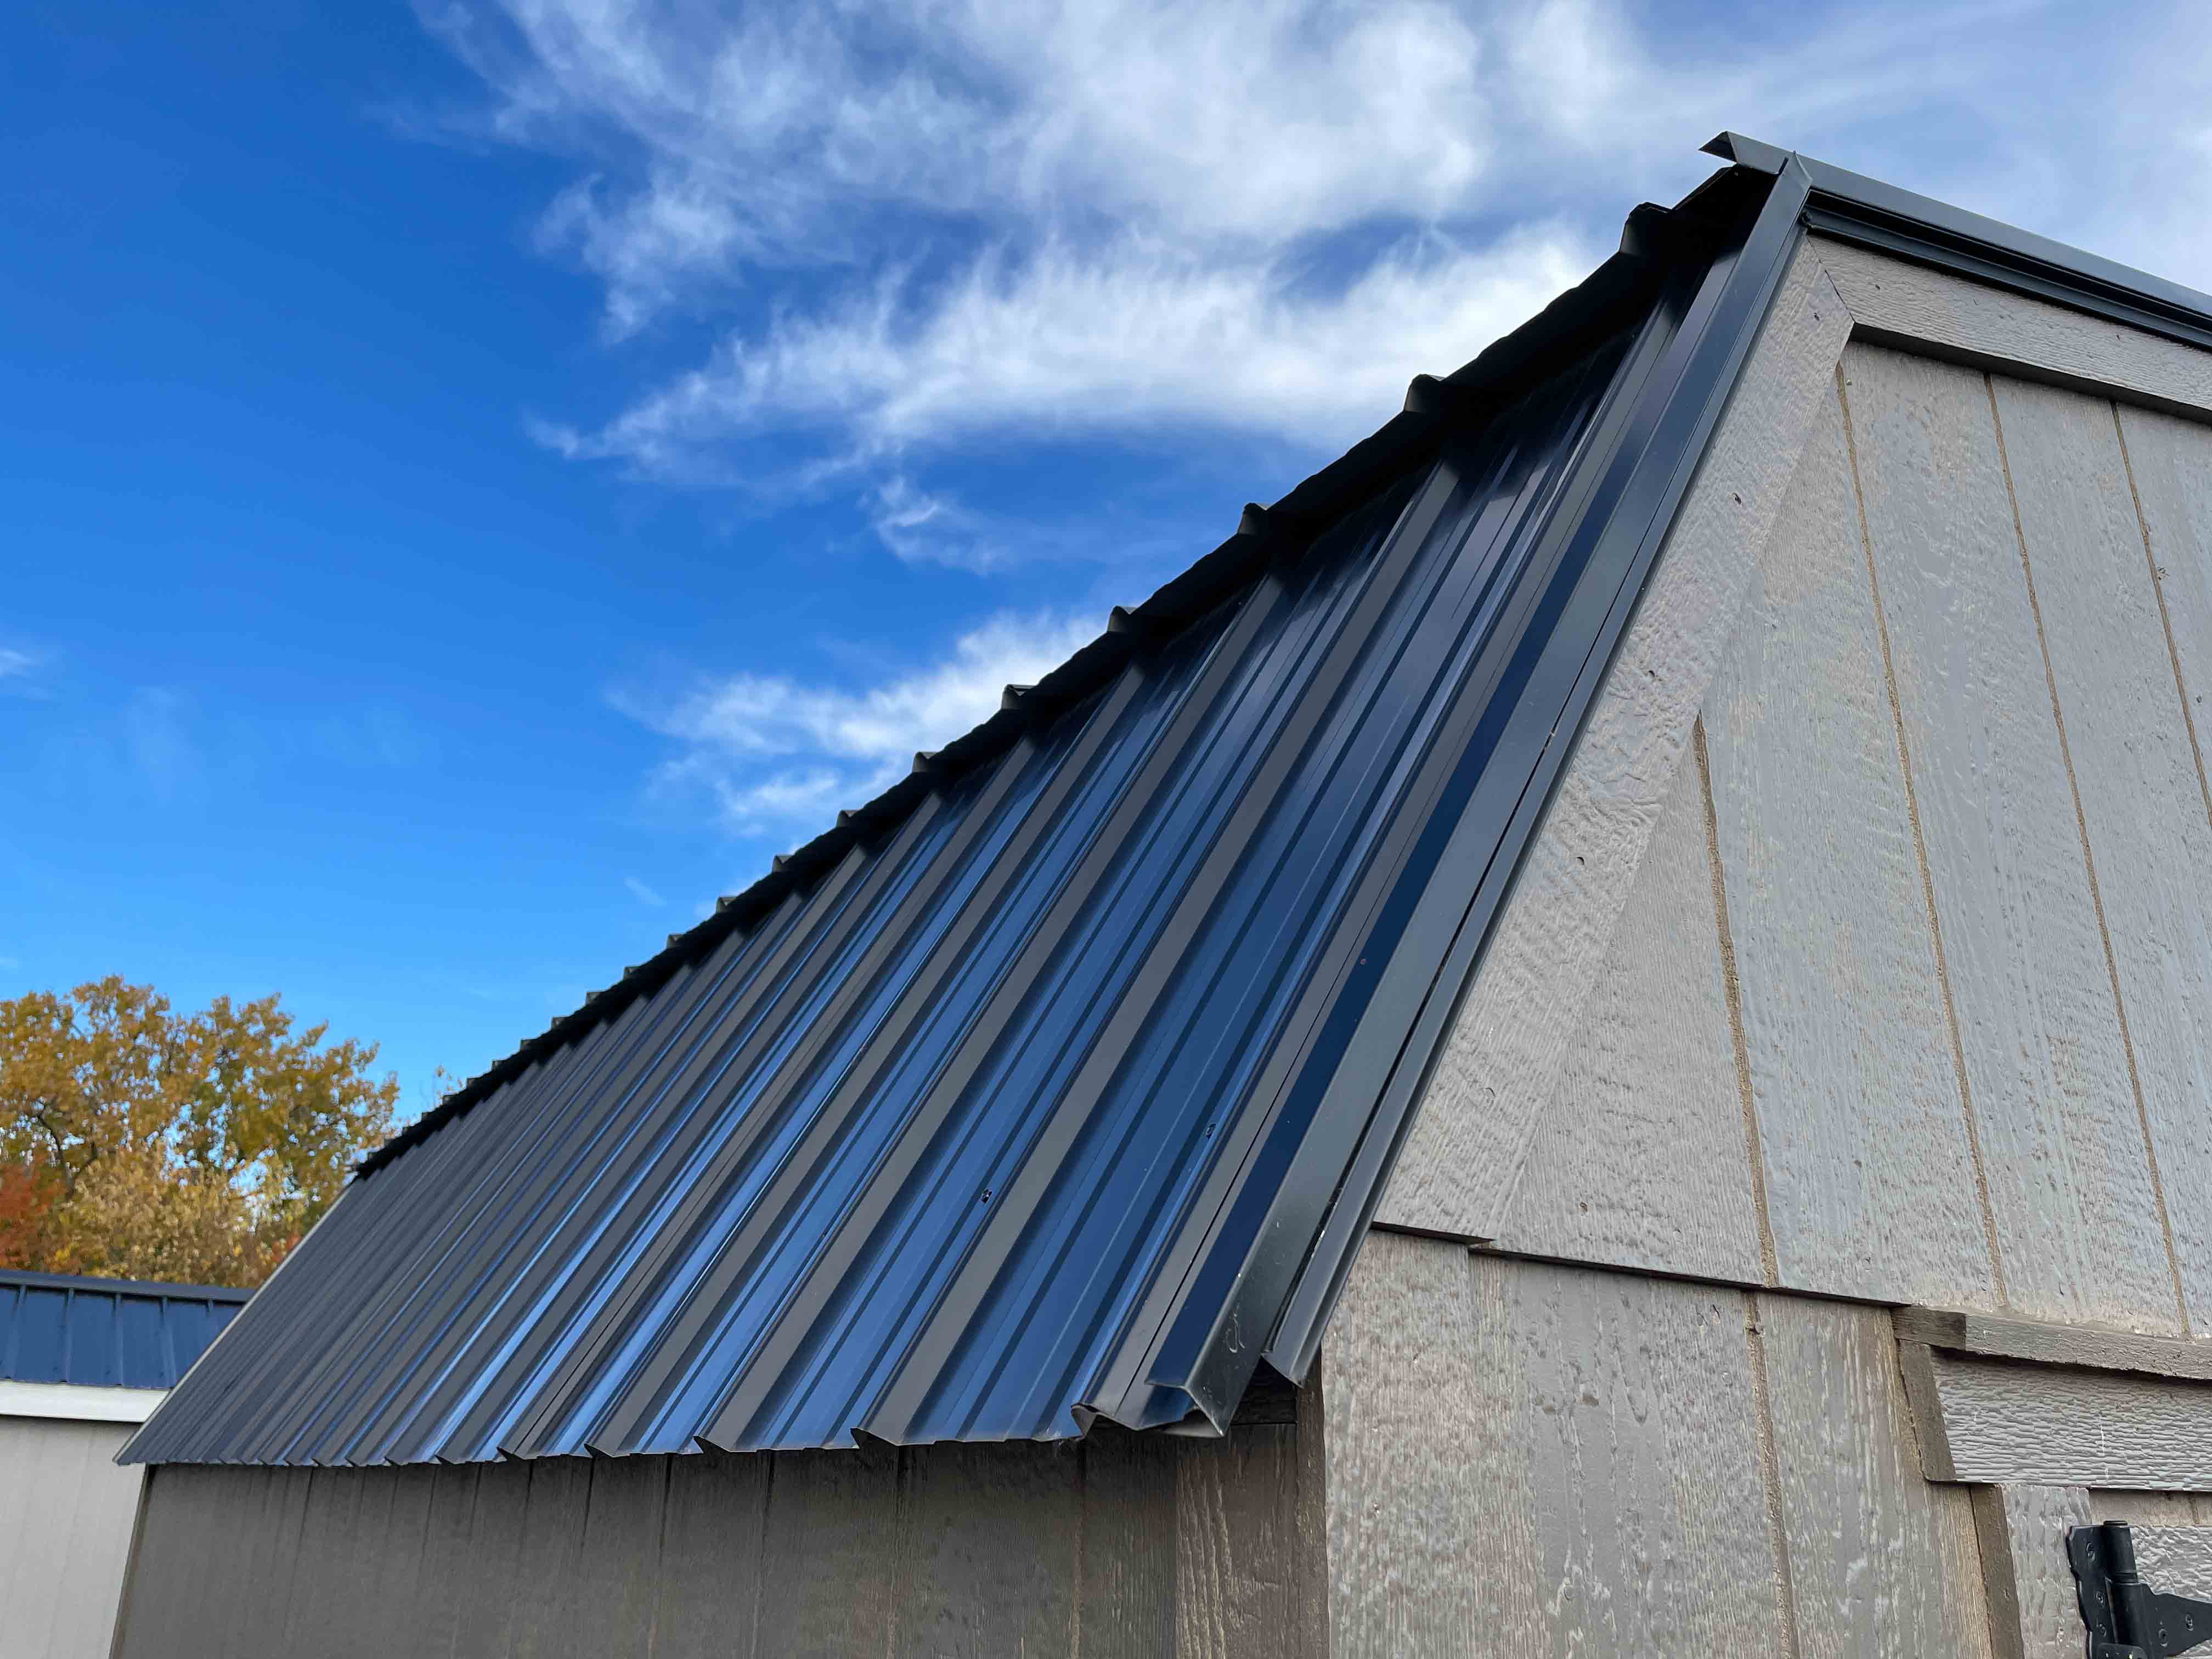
(986, 1198)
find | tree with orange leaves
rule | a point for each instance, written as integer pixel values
(140, 1142)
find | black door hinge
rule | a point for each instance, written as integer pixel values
(2127, 1618)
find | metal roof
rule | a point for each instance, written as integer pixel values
(1060, 1081)
(106, 1332)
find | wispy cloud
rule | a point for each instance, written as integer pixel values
(19, 672)
(643, 894)
(919, 227)
(1137, 337)
(776, 754)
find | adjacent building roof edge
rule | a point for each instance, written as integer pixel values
(123, 1287)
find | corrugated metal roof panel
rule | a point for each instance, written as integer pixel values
(1058, 1085)
(106, 1332)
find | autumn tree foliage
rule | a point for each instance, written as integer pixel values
(141, 1143)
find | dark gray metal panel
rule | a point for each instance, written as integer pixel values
(1029, 1095)
(1119, 1545)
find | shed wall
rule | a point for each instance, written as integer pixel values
(1863, 958)
(1901, 989)
(1532, 1458)
(66, 1509)
(1119, 1545)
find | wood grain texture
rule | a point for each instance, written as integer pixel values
(1871, 1178)
(1127, 1546)
(2069, 1182)
(1411, 1458)
(710, 1590)
(2001, 1337)
(2175, 1558)
(2146, 1508)
(2058, 1425)
(544, 1603)
(2170, 465)
(2033, 1612)
(1125, 1605)
(2133, 756)
(1500, 1068)
(1526, 1458)
(2022, 1529)
(1932, 312)
(618, 1566)
(1242, 1561)
(1881, 1561)
(1638, 1478)
(828, 1569)
(989, 1551)
(1923, 1402)
(1640, 1158)
(444, 1586)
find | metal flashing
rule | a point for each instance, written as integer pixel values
(1854, 207)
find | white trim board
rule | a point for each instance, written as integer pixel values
(78, 1402)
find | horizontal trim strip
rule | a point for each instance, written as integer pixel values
(78, 1402)
(2056, 1345)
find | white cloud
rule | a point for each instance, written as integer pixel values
(643, 894)
(1132, 339)
(775, 754)
(919, 224)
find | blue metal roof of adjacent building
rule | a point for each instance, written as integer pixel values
(106, 1332)
(1061, 1082)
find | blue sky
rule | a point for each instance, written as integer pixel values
(481, 479)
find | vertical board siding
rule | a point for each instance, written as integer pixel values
(1884, 1564)
(2033, 1612)
(2143, 799)
(66, 1517)
(1869, 1169)
(1123, 1545)
(1963, 850)
(2076, 1217)
(1527, 1458)
(2170, 469)
(1499, 1074)
(1640, 1160)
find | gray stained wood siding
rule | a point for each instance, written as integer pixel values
(2023, 1528)
(66, 1517)
(1865, 950)
(1901, 989)
(1529, 1458)
(1119, 1545)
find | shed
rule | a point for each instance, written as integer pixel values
(1593, 1036)
(83, 1363)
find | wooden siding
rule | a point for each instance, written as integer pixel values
(1499, 1080)
(1892, 978)
(65, 1515)
(1121, 1544)
(2032, 1611)
(1865, 950)
(1999, 1421)
(1531, 1458)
